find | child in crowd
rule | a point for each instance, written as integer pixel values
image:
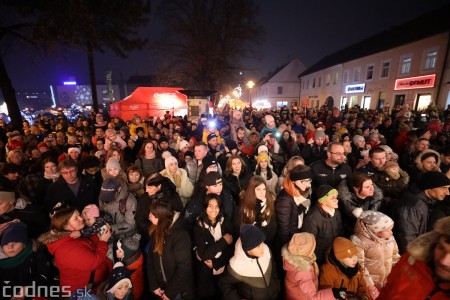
(120, 286)
(378, 248)
(302, 272)
(113, 169)
(135, 181)
(342, 270)
(112, 138)
(130, 255)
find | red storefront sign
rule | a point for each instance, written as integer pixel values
(418, 82)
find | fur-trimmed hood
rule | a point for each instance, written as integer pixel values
(346, 195)
(422, 248)
(418, 160)
(51, 237)
(302, 263)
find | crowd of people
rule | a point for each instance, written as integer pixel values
(241, 204)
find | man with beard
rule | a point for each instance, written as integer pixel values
(332, 170)
(424, 271)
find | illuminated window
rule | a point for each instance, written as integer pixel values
(369, 73)
(281, 103)
(385, 69)
(430, 60)
(406, 65)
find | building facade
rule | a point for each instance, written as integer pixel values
(400, 66)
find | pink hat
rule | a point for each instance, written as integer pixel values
(91, 211)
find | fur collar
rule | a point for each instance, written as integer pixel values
(301, 262)
(419, 163)
(346, 195)
(50, 236)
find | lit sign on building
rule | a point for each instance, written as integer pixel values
(418, 82)
(355, 88)
(70, 83)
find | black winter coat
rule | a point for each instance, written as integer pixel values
(411, 217)
(207, 249)
(175, 264)
(37, 222)
(325, 228)
(323, 174)
(60, 191)
(287, 213)
(235, 185)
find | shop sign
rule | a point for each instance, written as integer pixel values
(418, 82)
(355, 88)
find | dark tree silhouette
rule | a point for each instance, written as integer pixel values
(204, 40)
(91, 26)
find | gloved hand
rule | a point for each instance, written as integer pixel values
(339, 293)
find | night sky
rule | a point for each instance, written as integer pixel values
(304, 29)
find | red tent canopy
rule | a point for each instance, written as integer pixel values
(150, 101)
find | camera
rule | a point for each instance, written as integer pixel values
(103, 229)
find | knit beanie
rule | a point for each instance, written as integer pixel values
(269, 118)
(251, 237)
(110, 132)
(375, 220)
(325, 191)
(262, 156)
(91, 211)
(170, 160)
(129, 245)
(208, 161)
(113, 164)
(300, 172)
(302, 244)
(183, 144)
(262, 148)
(118, 275)
(16, 232)
(344, 248)
(433, 179)
(74, 148)
(319, 134)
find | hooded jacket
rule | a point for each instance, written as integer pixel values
(302, 278)
(124, 224)
(377, 256)
(77, 258)
(186, 188)
(250, 277)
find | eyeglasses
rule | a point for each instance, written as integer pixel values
(338, 153)
(69, 172)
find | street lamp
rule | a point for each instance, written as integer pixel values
(250, 85)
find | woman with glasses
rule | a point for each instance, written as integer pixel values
(293, 202)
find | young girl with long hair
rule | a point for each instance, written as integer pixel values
(214, 245)
(169, 261)
(257, 207)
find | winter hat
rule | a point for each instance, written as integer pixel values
(113, 164)
(16, 232)
(262, 148)
(251, 237)
(302, 244)
(110, 132)
(183, 144)
(189, 153)
(212, 178)
(211, 136)
(162, 140)
(319, 134)
(262, 156)
(208, 161)
(323, 192)
(231, 144)
(129, 245)
(300, 172)
(319, 124)
(344, 248)
(170, 160)
(357, 138)
(386, 148)
(390, 164)
(109, 188)
(89, 162)
(433, 179)
(118, 275)
(90, 211)
(375, 220)
(70, 149)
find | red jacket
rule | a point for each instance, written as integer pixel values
(412, 279)
(137, 277)
(77, 258)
